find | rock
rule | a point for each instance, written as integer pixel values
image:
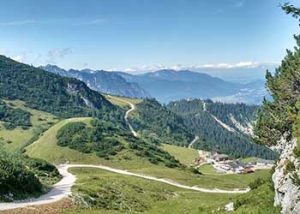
(287, 193)
(229, 207)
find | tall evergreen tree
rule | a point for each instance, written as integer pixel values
(277, 117)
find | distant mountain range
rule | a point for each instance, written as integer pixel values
(171, 85)
(167, 85)
(102, 81)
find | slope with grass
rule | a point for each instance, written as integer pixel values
(17, 138)
(122, 101)
(185, 155)
(107, 192)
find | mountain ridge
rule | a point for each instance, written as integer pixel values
(102, 81)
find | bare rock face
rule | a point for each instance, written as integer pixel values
(287, 191)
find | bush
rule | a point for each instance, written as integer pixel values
(256, 183)
(16, 180)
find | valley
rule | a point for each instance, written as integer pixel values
(144, 147)
(149, 107)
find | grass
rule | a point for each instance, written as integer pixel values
(17, 138)
(107, 192)
(46, 148)
(113, 193)
(258, 201)
(185, 155)
(122, 101)
(249, 159)
(208, 169)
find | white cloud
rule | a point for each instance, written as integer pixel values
(57, 54)
(20, 57)
(218, 66)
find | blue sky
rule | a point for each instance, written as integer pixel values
(145, 34)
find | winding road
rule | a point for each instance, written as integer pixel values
(62, 189)
(132, 108)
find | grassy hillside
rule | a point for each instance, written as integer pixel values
(46, 148)
(113, 193)
(106, 192)
(78, 152)
(17, 138)
(185, 155)
(122, 101)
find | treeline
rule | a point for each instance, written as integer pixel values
(14, 117)
(213, 136)
(159, 124)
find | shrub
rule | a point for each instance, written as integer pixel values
(256, 183)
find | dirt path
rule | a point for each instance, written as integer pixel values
(132, 108)
(62, 189)
(193, 141)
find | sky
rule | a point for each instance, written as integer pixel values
(142, 35)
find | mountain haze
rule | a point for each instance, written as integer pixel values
(102, 81)
(171, 85)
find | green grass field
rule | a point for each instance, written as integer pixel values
(46, 148)
(186, 156)
(17, 138)
(121, 101)
(107, 192)
(113, 193)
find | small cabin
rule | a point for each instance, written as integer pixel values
(220, 157)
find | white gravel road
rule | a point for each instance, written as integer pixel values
(62, 189)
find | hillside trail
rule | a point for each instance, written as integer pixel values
(62, 189)
(193, 141)
(132, 108)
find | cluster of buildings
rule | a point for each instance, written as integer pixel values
(224, 164)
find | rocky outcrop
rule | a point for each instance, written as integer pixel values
(285, 178)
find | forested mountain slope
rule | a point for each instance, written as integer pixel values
(221, 127)
(156, 122)
(42, 90)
